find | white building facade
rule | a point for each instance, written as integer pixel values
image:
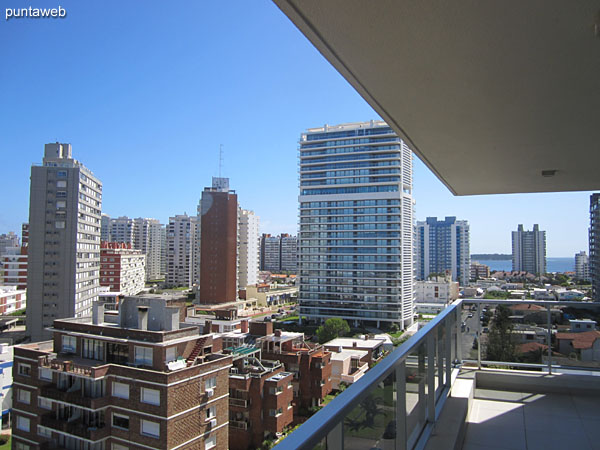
(181, 254)
(356, 225)
(529, 250)
(443, 246)
(582, 266)
(248, 248)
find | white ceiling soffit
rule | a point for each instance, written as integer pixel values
(487, 93)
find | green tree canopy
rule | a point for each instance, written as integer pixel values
(333, 328)
(500, 346)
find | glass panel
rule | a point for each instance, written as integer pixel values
(372, 424)
(416, 393)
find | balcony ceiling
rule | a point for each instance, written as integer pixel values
(487, 93)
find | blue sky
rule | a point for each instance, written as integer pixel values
(146, 91)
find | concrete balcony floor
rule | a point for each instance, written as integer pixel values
(502, 420)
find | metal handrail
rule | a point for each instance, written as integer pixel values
(326, 420)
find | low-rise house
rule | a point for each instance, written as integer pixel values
(580, 325)
(584, 345)
(348, 366)
(374, 347)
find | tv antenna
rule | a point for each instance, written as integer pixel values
(220, 158)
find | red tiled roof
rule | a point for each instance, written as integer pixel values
(530, 347)
(580, 340)
(528, 307)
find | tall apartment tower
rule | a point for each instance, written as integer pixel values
(64, 240)
(218, 243)
(270, 253)
(443, 245)
(105, 228)
(180, 250)
(147, 238)
(529, 250)
(595, 245)
(121, 230)
(582, 266)
(248, 248)
(356, 225)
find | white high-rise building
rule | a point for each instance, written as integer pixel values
(181, 262)
(121, 230)
(443, 246)
(248, 248)
(582, 266)
(529, 250)
(356, 225)
(289, 253)
(147, 238)
(64, 240)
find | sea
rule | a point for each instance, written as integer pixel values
(552, 264)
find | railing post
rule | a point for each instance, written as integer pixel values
(440, 356)
(401, 433)
(549, 338)
(457, 318)
(431, 377)
(448, 330)
(335, 438)
(479, 336)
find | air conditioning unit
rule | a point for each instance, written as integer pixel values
(212, 423)
(210, 392)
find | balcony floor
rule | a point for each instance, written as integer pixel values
(502, 420)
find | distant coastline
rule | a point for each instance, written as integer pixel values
(491, 257)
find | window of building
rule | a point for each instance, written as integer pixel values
(116, 446)
(24, 396)
(171, 354)
(211, 412)
(44, 374)
(210, 383)
(120, 421)
(44, 403)
(61, 204)
(92, 349)
(24, 370)
(69, 344)
(149, 428)
(45, 432)
(151, 396)
(61, 173)
(23, 423)
(61, 184)
(210, 442)
(120, 390)
(20, 446)
(143, 356)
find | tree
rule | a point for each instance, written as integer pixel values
(500, 346)
(333, 328)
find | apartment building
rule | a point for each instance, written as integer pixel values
(529, 250)
(582, 266)
(6, 397)
(279, 253)
(8, 240)
(127, 380)
(443, 246)
(248, 248)
(122, 268)
(309, 363)
(594, 240)
(218, 220)
(12, 299)
(147, 237)
(260, 399)
(479, 270)
(356, 225)
(180, 237)
(64, 240)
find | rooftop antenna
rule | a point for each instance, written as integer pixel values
(220, 158)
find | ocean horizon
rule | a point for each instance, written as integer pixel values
(556, 264)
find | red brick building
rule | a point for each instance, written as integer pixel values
(218, 244)
(260, 401)
(309, 363)
(129, 381)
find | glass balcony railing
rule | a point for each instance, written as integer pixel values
(396, 404)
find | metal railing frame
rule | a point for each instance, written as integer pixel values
(328, 424)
